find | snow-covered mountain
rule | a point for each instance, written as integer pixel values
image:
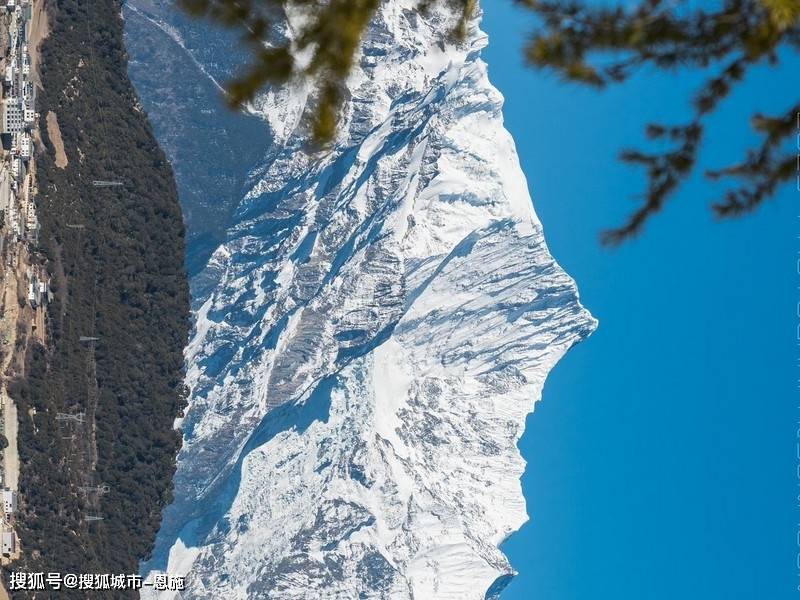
(373, 326)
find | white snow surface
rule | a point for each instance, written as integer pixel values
(382, 320)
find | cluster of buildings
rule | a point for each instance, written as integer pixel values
(17, 121)
(17, 183)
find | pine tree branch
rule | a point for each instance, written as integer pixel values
(599, 45)
(764, 169)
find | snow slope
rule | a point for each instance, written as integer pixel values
(371, 334)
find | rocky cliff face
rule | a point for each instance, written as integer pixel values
(372, 330)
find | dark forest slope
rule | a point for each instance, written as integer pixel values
(121, 279)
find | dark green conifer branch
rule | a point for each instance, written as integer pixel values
(601, 46)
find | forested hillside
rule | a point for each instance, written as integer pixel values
(116, 254)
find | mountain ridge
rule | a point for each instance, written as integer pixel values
(370, 335)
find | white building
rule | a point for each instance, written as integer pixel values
(9, 542)
(31, 221)
(13, 115)
(9, 502)
(25, 146)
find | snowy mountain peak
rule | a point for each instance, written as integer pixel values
(370, 337)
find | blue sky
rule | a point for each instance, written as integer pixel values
(661, 462)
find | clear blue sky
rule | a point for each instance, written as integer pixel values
(661, 463)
